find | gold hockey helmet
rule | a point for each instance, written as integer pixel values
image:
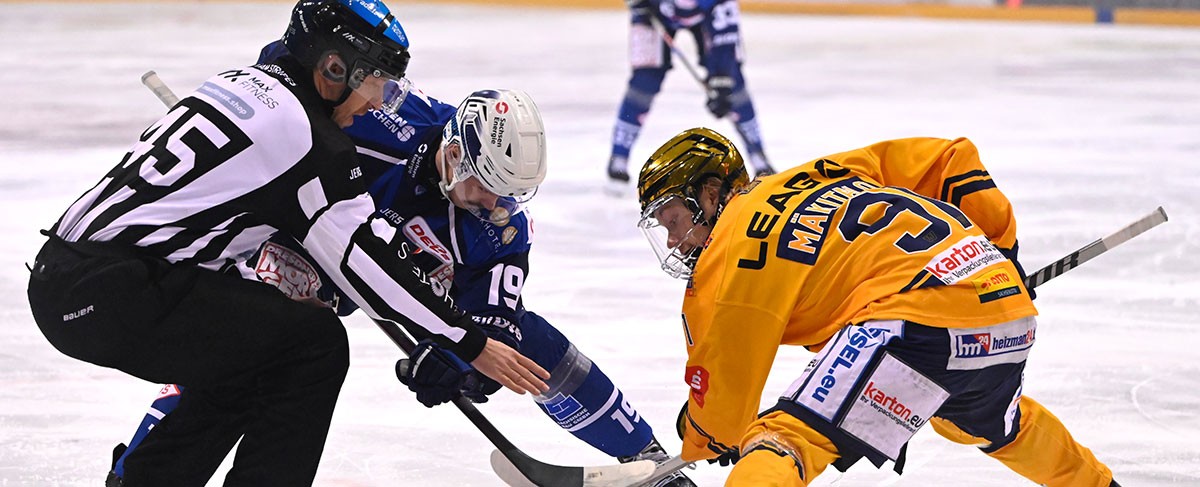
(681, 165)
(678, 170)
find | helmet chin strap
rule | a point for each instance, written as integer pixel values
(698, 209)
(445, 169)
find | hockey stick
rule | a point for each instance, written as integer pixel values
(691, 68)
(526, 470)
(1091, 250)
(160, 89)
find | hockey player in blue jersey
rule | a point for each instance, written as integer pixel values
(715, 26)
(481, 248)
(453, 181)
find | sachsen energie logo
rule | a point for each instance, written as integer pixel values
(566, 410)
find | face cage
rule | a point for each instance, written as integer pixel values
(389, 89)
(672, 261)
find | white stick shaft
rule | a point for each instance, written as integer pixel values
(156, 85)
(1100, 246)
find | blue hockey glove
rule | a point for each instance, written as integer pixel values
(720, 89)
(439, 376)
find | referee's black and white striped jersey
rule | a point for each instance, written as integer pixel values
(251, 152)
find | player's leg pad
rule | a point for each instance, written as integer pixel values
(1044, 451)
(584, 401)
(770, 450)
(644, 85)
(581, 398)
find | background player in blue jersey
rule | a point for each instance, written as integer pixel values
(714, 25)
(453, 181)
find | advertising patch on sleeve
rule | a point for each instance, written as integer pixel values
(895, 402)
(287, 270)
(697, 379)
(418, 231)
(168, 391)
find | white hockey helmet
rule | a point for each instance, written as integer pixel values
(503, 143)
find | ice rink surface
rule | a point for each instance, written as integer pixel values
(1085, 127)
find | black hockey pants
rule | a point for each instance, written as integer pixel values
(256, 365)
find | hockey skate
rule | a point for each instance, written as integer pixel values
(618, 176)
(655, 452)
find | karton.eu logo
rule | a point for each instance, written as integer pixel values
(892, 406)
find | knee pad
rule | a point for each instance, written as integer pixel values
(644, 84)
(765, 468)
(772, 442)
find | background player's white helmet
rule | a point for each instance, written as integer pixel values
(503, 142)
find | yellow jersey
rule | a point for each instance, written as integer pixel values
(905, 229)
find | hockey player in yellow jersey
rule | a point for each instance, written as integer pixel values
(891, 262)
